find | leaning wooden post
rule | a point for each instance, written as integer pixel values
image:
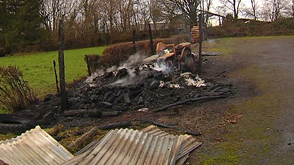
(56, 78)
(200, 44)
(151, 40)
(63, 94)
(88, 65)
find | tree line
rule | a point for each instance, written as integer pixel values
(32, 25)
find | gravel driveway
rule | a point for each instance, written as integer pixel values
(261, 70)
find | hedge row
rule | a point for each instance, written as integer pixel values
(117, 53)
(253, 28)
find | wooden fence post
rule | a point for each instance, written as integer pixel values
(56, 77)
(151, 40)
(88, 66)
(63, 94)
(200, 44)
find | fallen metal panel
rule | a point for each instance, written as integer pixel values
(33, 147)
(120, 146)
(132, 147)
(188, 144)
(126, 146)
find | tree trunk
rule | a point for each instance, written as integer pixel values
(193, 16)
(292, 8)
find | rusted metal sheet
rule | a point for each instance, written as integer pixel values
(132, 147)
(33, 147)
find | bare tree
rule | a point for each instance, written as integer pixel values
(186, 8)
(275, 9)
(125, 13)
(233, 5)
(108, 9)
(155, 13)
(53, 10)
(288, 8)
(207, 6)
(254, 8)
(142, 14)
(292, 8)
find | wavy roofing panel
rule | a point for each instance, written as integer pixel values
(33, 147)
(130, 147)
(188, 144)
(120, 146)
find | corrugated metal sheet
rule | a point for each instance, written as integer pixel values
(34, 147)
(130, 147)
(120, 146)
(188, 144)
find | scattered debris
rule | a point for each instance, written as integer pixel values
(233, 118)
(143, 110)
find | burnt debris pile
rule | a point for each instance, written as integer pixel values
(132, 87)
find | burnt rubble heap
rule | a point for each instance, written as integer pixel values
(131, 87)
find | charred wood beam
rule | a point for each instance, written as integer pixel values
(156, 123)
(84, 139)
(204, 98)
(90, 113)
(170, 126)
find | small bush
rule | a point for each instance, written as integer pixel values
(15, 93)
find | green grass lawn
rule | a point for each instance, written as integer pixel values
(38, 68)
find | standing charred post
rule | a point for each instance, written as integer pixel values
(63, 94)
(200, 44)
(151, 40)
(56, 77)
(88, 65)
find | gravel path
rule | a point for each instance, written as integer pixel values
(261, 68)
